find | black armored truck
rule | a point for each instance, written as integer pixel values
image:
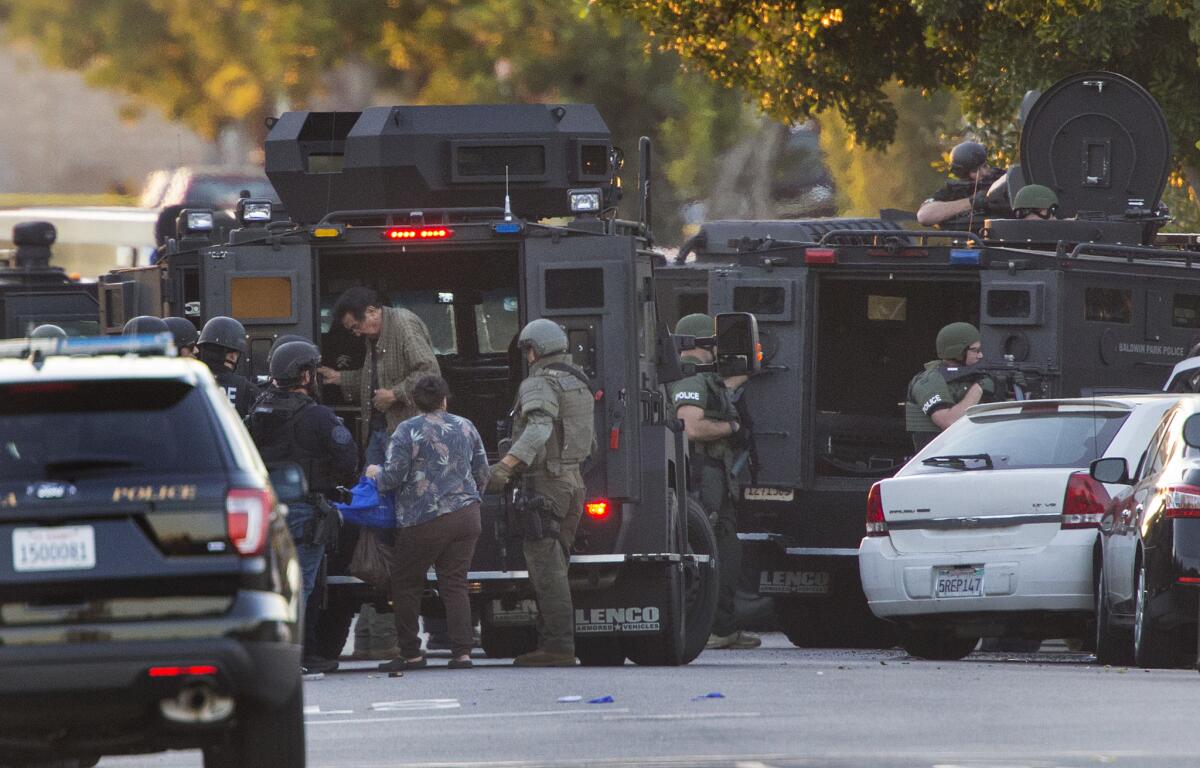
(1094, 301)
(478, 219)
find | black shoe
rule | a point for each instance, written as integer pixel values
(460, 664)
(401, 664)
(314, 664)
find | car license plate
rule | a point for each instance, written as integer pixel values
(61, 548)
(958, 582)
(767, 494)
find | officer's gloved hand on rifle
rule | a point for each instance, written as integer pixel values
(741, 436)
(500, 475)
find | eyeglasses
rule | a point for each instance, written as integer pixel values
(977, 349)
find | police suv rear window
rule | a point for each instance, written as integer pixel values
(1028, 437)
(68, 429)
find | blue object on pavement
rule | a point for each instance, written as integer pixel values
(368, 507)
(713, 695)
(601, 700)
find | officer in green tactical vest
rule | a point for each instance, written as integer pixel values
(553, 434)
(939, 395)
(704, 402)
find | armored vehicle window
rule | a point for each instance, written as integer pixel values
(325, 163)
(1186, 312)
(1002, 303)
(494, 161)
(1108, 305)
(893, 308)
(574, 288)
(58, 429)
(759, 300)
(436, 309)
(254, 298)
(496, 321)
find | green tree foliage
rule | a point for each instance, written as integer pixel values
(804, 57)
(214, 63)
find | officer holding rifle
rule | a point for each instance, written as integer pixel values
(939, 395)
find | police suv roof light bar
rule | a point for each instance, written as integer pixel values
(162, 344)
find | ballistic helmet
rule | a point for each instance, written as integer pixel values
(224, 332)
(545, 337)
(696, 324)
(1033, 197)
(183, 330)
(48, 331)
(966, 157)
(144, 325)
(953, 340)
(290, 359)
(280, 341)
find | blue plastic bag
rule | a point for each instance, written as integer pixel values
(368, 507)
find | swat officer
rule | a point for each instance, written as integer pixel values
(145, 325)
(1035, 201)
(288, 425)
(704, 403)
(553, 434)
(980, 191)
(185, 335)
(939, 395)
(222, 342)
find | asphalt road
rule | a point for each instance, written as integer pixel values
(779, 707)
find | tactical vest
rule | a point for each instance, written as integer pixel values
(282, 444)
(573, 437)
(719, 407)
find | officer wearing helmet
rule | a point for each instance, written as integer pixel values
(704, 402)
(1035, 201)
(553, 434)
(221, 344)
(185, 335)
(48, 331)
(288, 425)
(145, 325)
(939, 395)
(980, 191)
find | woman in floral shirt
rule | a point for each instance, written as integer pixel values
(437, 465)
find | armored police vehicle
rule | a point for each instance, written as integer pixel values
(33, 293)
(1093, 302)
(440, 210)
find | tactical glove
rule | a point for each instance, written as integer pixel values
(499, 476)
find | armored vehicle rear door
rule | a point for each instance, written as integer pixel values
(777, 398)
(270, 290)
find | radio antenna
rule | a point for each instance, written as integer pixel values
(508, 214)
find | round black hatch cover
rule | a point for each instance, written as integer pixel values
(1100, 141)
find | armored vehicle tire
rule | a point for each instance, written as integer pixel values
(600, 652)
(507, 642)
(264, 736)
(808, 626)
(333, 625)
(804, 627)
(698, 601)
(1112, 646)
(937, 644)
(1010, 644)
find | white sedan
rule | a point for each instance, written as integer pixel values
(990, 531)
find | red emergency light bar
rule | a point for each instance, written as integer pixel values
(417, 233)
(820, 256)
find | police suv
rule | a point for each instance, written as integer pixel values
(441, 210)
(149, 590)
(849, 309)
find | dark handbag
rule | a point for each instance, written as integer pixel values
(372, 560)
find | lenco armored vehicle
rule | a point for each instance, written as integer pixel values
(1094, 302)
(439, 210)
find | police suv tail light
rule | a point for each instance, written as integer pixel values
(584, 200)
(597, 509)
(247, 515)
(1084, 503)
(876, 525)
(1181, 501)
